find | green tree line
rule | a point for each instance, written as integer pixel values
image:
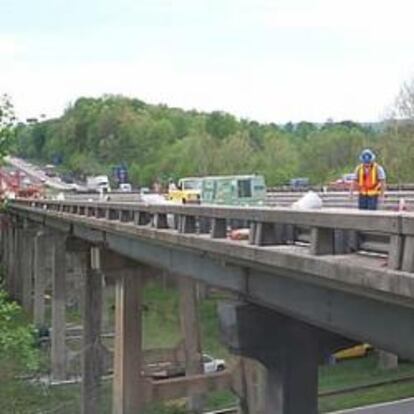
(157, 142)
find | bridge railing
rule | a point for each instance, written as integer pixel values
(327, 231)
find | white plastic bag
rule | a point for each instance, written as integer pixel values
(310, 200)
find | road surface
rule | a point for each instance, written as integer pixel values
(396, 407)
(37, 174)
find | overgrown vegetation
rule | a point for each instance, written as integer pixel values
(19, 356)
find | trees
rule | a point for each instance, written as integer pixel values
(157, 142)
(7, 122)
(396, 143)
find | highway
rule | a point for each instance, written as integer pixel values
(37, 174)
(396, 407)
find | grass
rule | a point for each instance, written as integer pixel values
(359, 372)
(162, 329)
(367, 397)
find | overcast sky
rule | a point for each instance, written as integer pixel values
(268, 60)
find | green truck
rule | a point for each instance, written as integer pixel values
(234, 190)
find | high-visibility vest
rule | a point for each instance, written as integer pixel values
(368, 182)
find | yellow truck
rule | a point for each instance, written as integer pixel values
(356, 351)
(188, 191)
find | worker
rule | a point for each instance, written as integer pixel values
(370, 181)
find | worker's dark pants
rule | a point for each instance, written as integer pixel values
(367, 202)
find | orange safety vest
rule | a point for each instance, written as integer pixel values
(368, 180)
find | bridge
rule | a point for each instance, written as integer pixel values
(306, 282)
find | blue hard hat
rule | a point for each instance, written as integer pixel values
(367, 156)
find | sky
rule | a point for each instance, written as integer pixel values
(270, 61)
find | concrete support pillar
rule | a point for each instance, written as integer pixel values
(107, 304)
(41, 249)
(292, 379)
(252, 387)
(26, 263)
(5, 252)
(191, 333)
(11, 251)
(288, 349)
(16, 264)
(91, 357)
(58, 354)
(128, 393)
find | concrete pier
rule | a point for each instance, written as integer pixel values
(92, 311)
(288, 349)
(58, 351)
(190, 329)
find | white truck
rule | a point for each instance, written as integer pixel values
(166, 370)
(99, 183)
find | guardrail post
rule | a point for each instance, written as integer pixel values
(395, 252)
(322, 241)
(219, 228)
